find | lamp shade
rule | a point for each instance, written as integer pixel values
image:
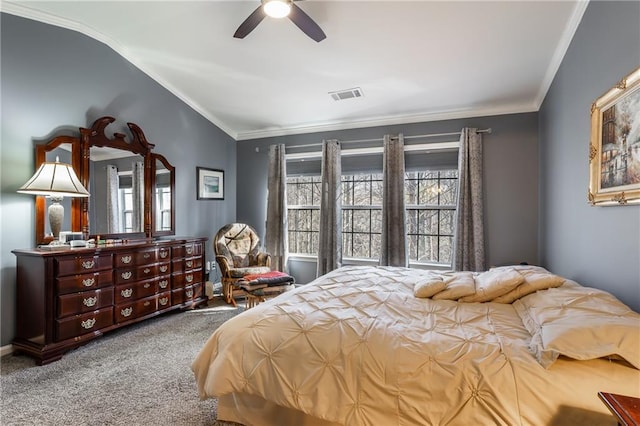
(54, 179)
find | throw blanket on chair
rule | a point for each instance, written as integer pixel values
(268, 279)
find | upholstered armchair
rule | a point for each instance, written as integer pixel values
(236, 246)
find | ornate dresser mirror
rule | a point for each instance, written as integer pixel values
(132, 188)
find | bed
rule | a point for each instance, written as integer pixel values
(357, 347)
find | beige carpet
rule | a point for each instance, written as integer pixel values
(139, 375)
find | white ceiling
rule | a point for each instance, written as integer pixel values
(414, 60)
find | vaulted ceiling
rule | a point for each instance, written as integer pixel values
(412, 60)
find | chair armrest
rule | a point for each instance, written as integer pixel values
(223, 262)
(264, 259)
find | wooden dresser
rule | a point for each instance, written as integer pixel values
(66, 297)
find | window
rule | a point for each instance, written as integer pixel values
(303, 210)
(430, 203)
(163, 205)
(430, 200)
(126, 201)
(361, 215)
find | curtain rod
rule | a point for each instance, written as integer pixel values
(431, 135)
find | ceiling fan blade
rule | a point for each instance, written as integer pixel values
(250, 23)
(306, 24)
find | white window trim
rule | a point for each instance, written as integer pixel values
(437, 146)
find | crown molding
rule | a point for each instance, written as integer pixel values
(388, 121)
(561, 50)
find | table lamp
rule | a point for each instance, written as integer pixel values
(55, 180)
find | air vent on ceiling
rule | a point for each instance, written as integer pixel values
(341, 95)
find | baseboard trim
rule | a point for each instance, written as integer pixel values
(6, 350)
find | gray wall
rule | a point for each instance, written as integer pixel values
(597, 246)
(52, 78)
(510, 173)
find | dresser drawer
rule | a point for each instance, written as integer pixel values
(193, 292)
(192, 249)
(77, 303)
(135, 290)
(177, 296)
(177, 265)
(127, 275)
(164, 300)
(164, 253)
(86, 323)
(83, 264)
(186, 278)
(193, 263)
(135, 309)
(146, 257)
(177, 251)
(75, 283)
(140, 257)
(164, 283)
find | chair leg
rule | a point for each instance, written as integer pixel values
(227, 291)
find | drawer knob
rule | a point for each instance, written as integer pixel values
(88, 323)
(189, 250)
(126, 312)
(164, 268)
(189, 293)
(126, 259)
(90, 301)
(126, 275)
(88, 264)
(147, 270)
(88, 282)
(147, 303)
(164, 300)
(189, 264)
(189, 278)
(147, 255)
(164, 254)
(164, 283)
(147, 285)
(127, 292)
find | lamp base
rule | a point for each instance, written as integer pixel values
(56, 216)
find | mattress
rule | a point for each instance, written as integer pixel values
(355, 347)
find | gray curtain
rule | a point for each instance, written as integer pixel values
(394, 234)
(330, 238)
(113, 203)
(276, 239)
(137, 183)
(469, 240)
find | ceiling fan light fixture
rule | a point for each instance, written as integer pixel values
(277, 8)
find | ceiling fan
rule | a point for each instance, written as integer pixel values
(280, 9)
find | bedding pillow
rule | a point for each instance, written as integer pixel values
(533, 281)
(580, 323)
(521, 268)
(494, 283)
(460, 285)
(429, 287)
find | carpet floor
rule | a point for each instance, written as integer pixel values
(139, 375)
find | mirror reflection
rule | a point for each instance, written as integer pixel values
(162, 197)
(132, 189)
(63, 153)
(116, 183)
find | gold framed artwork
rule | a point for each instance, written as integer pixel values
(210, 184)
(614, 150)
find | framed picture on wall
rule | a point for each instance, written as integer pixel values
(614, 151)
(210, 183)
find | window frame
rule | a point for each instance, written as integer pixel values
(350, 209)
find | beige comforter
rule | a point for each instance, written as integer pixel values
(355, 347)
